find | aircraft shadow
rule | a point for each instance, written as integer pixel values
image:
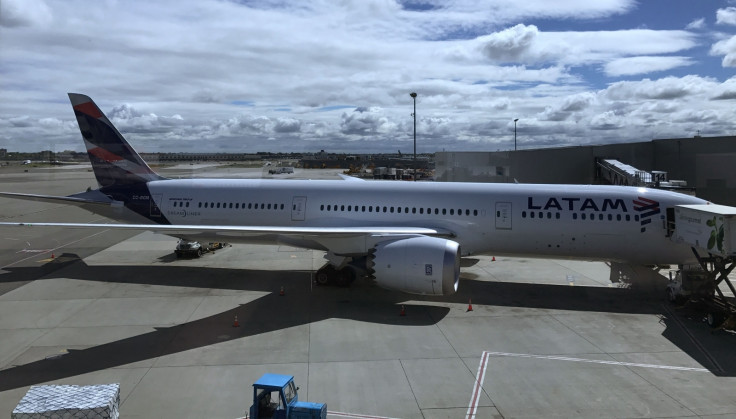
(362, 301)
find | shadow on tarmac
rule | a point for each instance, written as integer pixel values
(362, 302)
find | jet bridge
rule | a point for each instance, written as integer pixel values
(618, 173)
(710, 230)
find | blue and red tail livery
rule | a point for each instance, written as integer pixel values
(114, 161)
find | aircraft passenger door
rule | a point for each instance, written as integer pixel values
(503, 215)
(298, 208)
(156, 205)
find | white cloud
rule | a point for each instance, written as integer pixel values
(696, 24)
(644, 65)
(727, 48)
(726, 16)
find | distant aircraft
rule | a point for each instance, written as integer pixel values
(407, 236)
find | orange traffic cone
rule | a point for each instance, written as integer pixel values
(493, 259)
(470, 305)
(403, 311)
(282, 292)
(235, 322)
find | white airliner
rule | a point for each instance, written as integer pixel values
(404, 235)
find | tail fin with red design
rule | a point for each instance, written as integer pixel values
(114, 161)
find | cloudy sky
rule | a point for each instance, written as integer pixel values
(290, 75)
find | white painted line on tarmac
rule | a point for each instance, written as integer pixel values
(55, 248)
(483, 365)
(477, 386)
(598, 361)
(356, 415)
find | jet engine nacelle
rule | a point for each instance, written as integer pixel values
(417, 265)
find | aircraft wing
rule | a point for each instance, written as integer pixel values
(246, 231)
(84, 198)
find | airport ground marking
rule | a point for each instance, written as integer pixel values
(483, 365)
(477, 386)
(355, 415)
(597, 361)
(55, 248)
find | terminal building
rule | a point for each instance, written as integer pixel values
(705, 166)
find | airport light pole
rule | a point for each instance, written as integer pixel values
(414, 114)
(515, 121)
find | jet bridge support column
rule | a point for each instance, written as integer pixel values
(721, 312)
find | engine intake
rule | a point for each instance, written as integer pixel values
(417, 265)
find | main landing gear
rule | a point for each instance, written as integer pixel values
(329, 275)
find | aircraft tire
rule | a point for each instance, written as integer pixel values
(714, 319)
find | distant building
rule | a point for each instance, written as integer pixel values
(707, 164)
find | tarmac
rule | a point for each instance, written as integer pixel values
(544, 338)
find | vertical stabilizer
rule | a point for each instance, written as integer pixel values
(114, 161)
